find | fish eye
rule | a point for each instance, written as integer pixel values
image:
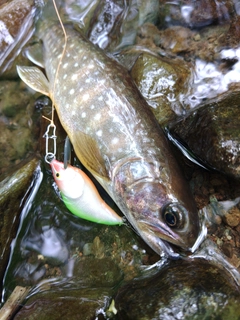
(173, 214)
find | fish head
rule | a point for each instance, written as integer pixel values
(160, 215)
(157, 209)
(69, 180)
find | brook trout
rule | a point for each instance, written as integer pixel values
(115, 136)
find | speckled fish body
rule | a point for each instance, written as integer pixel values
(115, 135)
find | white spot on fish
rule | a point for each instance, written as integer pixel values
(76, 64)
(73, 113)
(59, 56)
(65, 65)
(85, 97)
(74, 76)
(71, 91)
(97, 116)
(115, 140)
(100, 98)
(87, 80)
(71, 45)
(65, 76)
(96, 73)
(120, 149)
(90, 66)
(110, 130)
(84, 115)
(99, 133)
(84, 58)
(68, 55)
(92, 107)
(64, 88)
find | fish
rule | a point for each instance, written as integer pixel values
(81, 196)
(115, 136)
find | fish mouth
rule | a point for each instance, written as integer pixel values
(158, 230)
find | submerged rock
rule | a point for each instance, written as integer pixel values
(182, 290)
(82, 304)
(212, 133)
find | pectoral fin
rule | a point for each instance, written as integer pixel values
(35, 54)
(34, 78)
(88, 153)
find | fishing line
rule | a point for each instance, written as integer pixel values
(64, 46)
(51, 155)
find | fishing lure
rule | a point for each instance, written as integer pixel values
(81, 196)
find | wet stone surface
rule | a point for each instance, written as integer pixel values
(14, 191)
(82, 304)
(177, 293)
(19, 129)
(212, 133)
(161, 82)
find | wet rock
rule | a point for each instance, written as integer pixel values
(97, 272)
(232, 217)
(176, 39)
(101, 21)
(13, 194)
(205, 43)
(232, 37)
(196, 14)
(182, 290)
(212, 133)
(161, 82)
(82, 304)
(17, 18)
(17, 117)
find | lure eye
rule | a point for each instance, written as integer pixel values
(173, 214)
(57, 174)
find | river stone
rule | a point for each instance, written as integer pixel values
(82, 304)
(13, 193)
(97, 272)
(17, 25)
(195, 14)
(18, 123)
(212, 133)
(161, 81)
(182, 290)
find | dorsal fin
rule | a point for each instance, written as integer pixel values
(89, 154)
(34, 78)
